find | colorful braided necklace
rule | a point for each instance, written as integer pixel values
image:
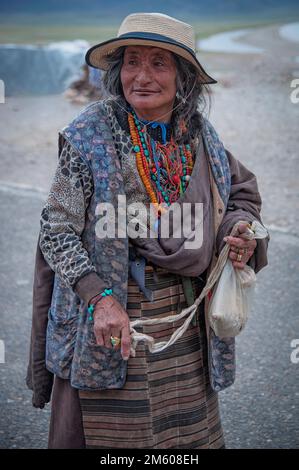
(164, 168)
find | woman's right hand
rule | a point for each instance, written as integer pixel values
(110, 319)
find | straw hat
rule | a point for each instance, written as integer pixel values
(150, 29)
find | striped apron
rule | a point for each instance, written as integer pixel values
(167, 401)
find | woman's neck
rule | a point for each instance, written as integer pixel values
(153, 117)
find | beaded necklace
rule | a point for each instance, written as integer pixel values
(164, 168)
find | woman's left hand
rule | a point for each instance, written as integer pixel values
(241, 249)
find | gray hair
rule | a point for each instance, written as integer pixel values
(191, 98)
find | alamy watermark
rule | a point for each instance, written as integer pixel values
(138, 220)
(295, 352)
(294, 97)
(2, 352)
(2, 91)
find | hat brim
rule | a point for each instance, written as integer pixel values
(96, 56)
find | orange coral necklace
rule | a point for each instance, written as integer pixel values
(164, 169)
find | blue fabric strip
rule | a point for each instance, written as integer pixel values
(154, 124)
(155, 37)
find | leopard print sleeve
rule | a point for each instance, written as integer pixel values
(63, 217)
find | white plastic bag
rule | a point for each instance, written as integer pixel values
(230, 302)
(232, 296)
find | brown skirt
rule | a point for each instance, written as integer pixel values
(167, 401)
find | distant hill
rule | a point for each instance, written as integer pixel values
(96, 10)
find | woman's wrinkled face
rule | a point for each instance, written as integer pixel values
(148, 78)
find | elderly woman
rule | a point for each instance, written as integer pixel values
(149, 145)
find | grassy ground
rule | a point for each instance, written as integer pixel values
(37, 34)
(43, 33)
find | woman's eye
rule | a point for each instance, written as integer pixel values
(132, 62)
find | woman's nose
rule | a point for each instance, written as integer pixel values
(143, 75)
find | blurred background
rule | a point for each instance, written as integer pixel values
(252, 49)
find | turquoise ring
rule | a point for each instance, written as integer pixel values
(115, 340)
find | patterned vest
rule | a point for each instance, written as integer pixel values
(71, 351)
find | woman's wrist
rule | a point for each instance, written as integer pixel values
(88, 286)
(97, 298)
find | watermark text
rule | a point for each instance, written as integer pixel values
(2, 91)
(295, 352)
(138, 220)
(294, 97)
(2, 352)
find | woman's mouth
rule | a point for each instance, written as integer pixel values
(144, 92)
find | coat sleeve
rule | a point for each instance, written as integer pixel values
(62, 223)
(38, 378)
(244, 204)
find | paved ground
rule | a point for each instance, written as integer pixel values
(253, 113)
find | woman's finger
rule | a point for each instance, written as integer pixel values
(238, 257)
(238, 265)
(99, 336)
(116, 332)
(107, 339)
(245, 252)
(125, 342)
(242, 228)
(236, 249)
(243, 231)
(241, 258)
(238, 242)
